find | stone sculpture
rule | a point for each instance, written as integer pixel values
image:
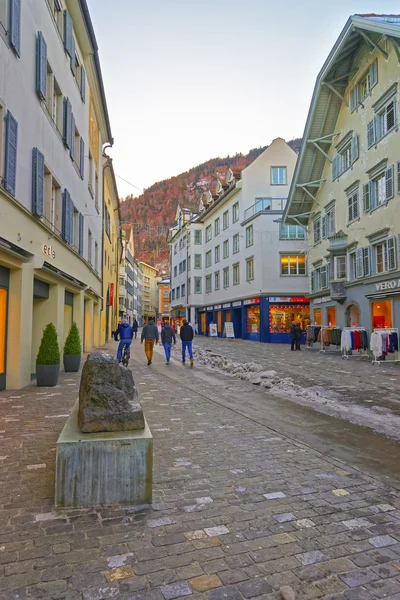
(108, 398)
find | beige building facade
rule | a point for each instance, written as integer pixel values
(149, 292)
(346, 186)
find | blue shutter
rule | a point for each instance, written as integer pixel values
(354, 148)
(354, 98)
(68, 32)
(67, 123)
(373, 74)
(41, 66)
(81, 231)
(15, 25)
(324, 228)
(334, 168)
(377, 128)
(372, 256)
(10, 169)
(391, 251)
(72, 58)
(389, 183)
(72, 137)
(37, 182)
(82, 158)
(65, 222)
(83, 84)
(370, 133)
(71, 222)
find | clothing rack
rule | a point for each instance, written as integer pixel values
(387, 330)
(323, 347)
(310, 343)
(361, 352)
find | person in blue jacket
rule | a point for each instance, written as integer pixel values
(125, 333)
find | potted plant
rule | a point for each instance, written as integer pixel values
(48, 358)
(72, 350)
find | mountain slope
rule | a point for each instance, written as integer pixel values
(154, 211)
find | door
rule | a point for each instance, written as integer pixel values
(4, 285)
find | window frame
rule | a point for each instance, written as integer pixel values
(198, 280)
(208, 233)
(289, 236)
(225, 220)
(236, 273)
(208, 259)
(217, 280)
(249, 236)
(276, 169)
(226, 277)
(337, 273)
(216, 227)
(235, 212)
(250, 261)
(198, 237)
(208, 284)
(236, 243)
(225, 249)
(217, 253)
(317, 231)
(289, 262)
(198, 259)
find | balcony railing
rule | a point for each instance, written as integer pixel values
(265, 205)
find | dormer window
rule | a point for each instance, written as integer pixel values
(364, 86)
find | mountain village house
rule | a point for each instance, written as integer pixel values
(234, 261)
(346, 186)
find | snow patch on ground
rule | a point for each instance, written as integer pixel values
(380, 419)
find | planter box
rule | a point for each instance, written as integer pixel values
(47, 375)
(72, 362)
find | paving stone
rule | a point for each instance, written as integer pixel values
(149, 595)
(357, 523)
(339, 492)
(310, 558)
(225, 593)
(119, 573)
(359, 593)
(175, 590)
(255, 587)
(381, 541)
(216, 531)
(331, 585)
(384, 588)
(356, 578)
(231, 577)
(285, 517)
(205, 583)
(160, 522)
(303, 523)
(274, 495)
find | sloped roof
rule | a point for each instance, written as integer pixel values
(191, 204)
(338, 69)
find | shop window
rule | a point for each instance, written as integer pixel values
(249, 269)
(293, 265)
(236, 274)
(249, 236)
(381, 312)
(208, 284)
(278, 176)
(318, 316)
(331, 316)
(281, 317)
(216, 227)
(253, 319)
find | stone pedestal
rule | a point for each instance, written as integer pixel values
(103, 469)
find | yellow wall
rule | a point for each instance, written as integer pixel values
(151, 273)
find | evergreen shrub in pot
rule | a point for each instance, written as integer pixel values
(48, 358)
(72, 350)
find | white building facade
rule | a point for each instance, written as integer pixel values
(236, 262)
(53, 125)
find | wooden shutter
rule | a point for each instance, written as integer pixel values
(10, 169)
(324, 226)
(366, 198)
(377, 128)
(72, 137)
(65, 222)
(366, 261)
(82, 158)
(359, 263)
(68, 218)
(371, 133)
(354, 98)
(72, 57)
(335, 167)
(373, 74)
(41, 66)
(354, 148)
(391, 252)
(68, 37)
(350, 216)
(83, 84)
(15, 25)
(389, 183)
(71, 221)
(372, 195)
(37, 182)
(67, 123)
(81, 232)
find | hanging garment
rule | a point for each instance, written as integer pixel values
(393, 342)
(316, 333)
(345, 341)
(310, 333)
(357, 340)
(336, 336)
(375, 344)
(364, 340)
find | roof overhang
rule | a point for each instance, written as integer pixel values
(327, 99)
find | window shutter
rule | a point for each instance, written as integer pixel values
(359, 263)
(354, 98)
(10, 169)
(350, 208)
(83, 84)
(377, 128)
(68, 32)
(389, 183)
(324, 222)
(65, 221)
(398, 176)
(72, 137)
(367, 260)
(82, 158)
(313, 281)
(41, 66)
(15, 25)
(67, 123)
(366, 200)
(72, 57)
(372, 195)
(373, 74)
(335, 167)
(71, 222)
(354, 148)
(81, 232)
(371, 133)
(37, 182)
(391, 251)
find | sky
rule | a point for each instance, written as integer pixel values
(190, 80)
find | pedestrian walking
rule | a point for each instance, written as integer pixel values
(167, 336)
(297, 333)
(150, 337)
(135, 326)
(125, 334)
(292, 332)
(186, 334)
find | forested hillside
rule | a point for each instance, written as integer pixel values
(153, 212)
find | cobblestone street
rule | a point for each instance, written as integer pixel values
(246, 495)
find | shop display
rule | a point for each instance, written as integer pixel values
(381, 312)
(354, 339)
(253, 319)
(329, 335)
(312, 334)
(384, 344)
(281, 317)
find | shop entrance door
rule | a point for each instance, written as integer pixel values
(203, 323)
(237, 321)
(4, 286)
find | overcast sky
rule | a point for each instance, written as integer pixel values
(189, 80)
